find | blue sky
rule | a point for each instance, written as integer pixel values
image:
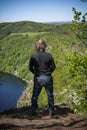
(39, 10)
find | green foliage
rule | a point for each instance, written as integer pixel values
(79, 25)
(76, 98)
(76, 62)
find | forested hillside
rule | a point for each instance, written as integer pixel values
(17, 44)
(20, 27)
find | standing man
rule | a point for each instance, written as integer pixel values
(42, 65)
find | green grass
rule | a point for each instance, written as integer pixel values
(28, 33)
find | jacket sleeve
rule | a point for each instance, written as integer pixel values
(31, 65)
(53, 66)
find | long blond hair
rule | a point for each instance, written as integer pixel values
(41, 45)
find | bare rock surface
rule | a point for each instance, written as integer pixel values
(22, 119)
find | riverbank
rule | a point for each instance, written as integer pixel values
(21, 119)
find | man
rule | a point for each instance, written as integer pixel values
(42, 65)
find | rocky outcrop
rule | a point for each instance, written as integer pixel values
(25, 98)
(22, 119)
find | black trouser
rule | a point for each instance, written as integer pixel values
(39, 82)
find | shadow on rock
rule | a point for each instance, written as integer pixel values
(26, 112)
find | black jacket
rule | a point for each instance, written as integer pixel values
(41, 63)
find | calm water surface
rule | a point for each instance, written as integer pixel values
(11, 88)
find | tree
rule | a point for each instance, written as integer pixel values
(79, 26)
(77, 60)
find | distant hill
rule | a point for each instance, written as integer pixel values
(24, 26)
(59, 22)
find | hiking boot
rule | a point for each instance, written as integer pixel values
(51, 113)
(33, 112)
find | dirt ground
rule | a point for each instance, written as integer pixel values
(21, 119)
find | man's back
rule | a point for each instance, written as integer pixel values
(42, 63)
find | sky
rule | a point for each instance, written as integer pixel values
(39, 10)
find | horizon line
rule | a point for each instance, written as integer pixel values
(35, 21)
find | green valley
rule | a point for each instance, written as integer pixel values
(17, 41)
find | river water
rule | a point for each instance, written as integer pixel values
(11, 88)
